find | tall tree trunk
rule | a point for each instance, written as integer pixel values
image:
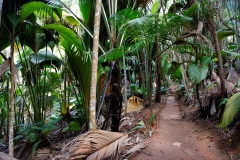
(1, 5)
(159, 68)
(184, 78)
(150, 91)
(125, 88)
(93, 87)
(212, 27)
(115, 98)
(12, 95)
(158, 80)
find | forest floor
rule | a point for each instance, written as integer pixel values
(177, 133)
(177, 136)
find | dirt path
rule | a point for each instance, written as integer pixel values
(178, 139)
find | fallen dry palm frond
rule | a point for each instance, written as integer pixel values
(88, 143)
(136, 148)
(134, 103)
(109, 151)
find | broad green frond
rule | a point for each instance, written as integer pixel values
(86, 8)
(156, 7)
(80, 64)
(193, 11)
(124, 16)
(66, 33)
(197, 73)
(232, 108)
(224, 33)
(29, 8)
(112, 54)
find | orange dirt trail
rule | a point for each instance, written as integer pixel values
(179, 139)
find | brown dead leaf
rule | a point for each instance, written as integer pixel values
(200, 27)
(136, 148)
(232, 76)
(4, 66)
(134, 104)
(230, 87)
(88, 143)
(108, 151)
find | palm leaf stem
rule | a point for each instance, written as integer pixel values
(107, 26)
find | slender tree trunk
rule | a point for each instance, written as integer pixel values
(174, 6)
(115, 97)
(125, 88)
(212, 27)
(159, 70)
(12, 95)
(150, 90)
(1, 5)
(93, 87)
(184, 77)
(159, 84)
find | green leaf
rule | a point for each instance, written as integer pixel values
(65, 129)
(197, 73)
(86, 7)
(165, 64)
(81, 66)
(178, 72)
(67, 34)
(206, 60)
(32, 137)
(156, 7)
(222, 34)
(30, 7)
(223, 101)
(234, 54)
(46, 57)
(34, 147)
(139, 125)
(232, 108)
(14, 19)
(152, 118)
(74, 126)
(72, 21)
(112, 55)
(18, 137)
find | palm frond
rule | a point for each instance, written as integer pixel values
(136, 148)
(108, 151)
(232, 108)
(29, 8)
(92, 141)
(192, 11)
(124, 16)
(67, 34)
(86, 8)
(112, 55)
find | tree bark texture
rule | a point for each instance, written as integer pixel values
(115, 98)
(12, 96)
(93, 87)
(217, 48)
(125, 88)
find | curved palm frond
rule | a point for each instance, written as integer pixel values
(86, 7)
(67, 34)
